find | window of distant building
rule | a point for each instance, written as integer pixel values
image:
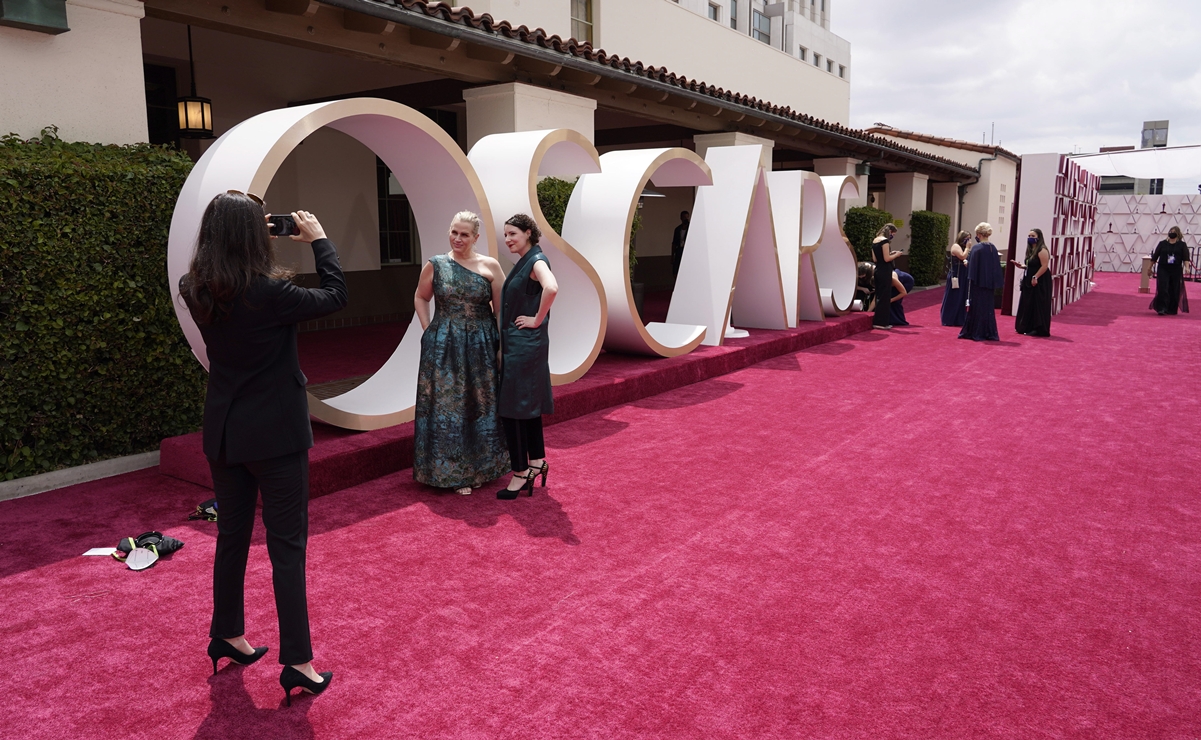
(804, 54)
(829, 66)
(714, 12)
(581, 20)
(734, 14)
(1156, 187)
(760, 27)
(842, 71)
(817, 59)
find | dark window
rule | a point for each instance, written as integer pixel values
(761, 27)
(713, 12)
(734, 14)
(162, 117)
(1156, 187)
(399, 243)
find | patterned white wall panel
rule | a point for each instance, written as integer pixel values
(1129, 227)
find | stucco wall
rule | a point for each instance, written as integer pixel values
(662, 34)
(87, 81)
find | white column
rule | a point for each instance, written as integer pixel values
(705, 142)
(514, 106)
(904, 193)
(844, 166)
(946, 200)
(87, 81)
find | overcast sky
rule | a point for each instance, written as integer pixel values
(1055, 75)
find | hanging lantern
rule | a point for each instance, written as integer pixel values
(195, 113)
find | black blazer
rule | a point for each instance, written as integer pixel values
(256, 396)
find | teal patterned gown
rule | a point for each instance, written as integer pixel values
(457, 436)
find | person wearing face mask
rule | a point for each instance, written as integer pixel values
(954, 297)
(984, 276)
(1170, 257)
(883, 257)
(525, 393)
(457, 441)
(1034, 307)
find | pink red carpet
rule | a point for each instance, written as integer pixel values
(893, 535)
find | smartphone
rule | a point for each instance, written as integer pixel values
(282, 225)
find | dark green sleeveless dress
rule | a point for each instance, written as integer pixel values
(457, 437)
(525, 374)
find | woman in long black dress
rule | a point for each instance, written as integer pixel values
(1170, 257)
(525, 393)
(1034, 307)
(457, 442)
(865, 291)
(984, 276)
(954, 297)
(883, 256)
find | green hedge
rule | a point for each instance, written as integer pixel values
(860, 225)
(928, 246)
(92, 361)
(553, 196)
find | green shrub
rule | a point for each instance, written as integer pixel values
(928, 246)
(92, 361)
(860, 225)
(553, 196)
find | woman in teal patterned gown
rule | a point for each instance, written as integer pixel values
(458, 441)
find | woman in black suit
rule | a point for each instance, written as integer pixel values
(256, 417)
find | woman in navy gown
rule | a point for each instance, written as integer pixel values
(954, 297)
(984, 276)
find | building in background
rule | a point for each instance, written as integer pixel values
(989, 197)
(625, 73)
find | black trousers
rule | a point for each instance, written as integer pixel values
(284, 482)
(525, 441)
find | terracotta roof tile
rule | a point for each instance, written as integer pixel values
(886, 130)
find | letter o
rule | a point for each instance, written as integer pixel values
(436, 175)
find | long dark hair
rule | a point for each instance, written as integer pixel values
(233, 249)
(1033, 249)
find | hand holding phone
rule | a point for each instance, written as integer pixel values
(281, 225)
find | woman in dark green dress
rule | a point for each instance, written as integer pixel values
(456, 436)
(525, 393)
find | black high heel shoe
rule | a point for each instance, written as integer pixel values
(291, 678)
(542, 471)
(219, 648)
(505, 494)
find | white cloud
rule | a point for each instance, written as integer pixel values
(1054, 75)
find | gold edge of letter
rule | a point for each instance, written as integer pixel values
(357, 422)
(653, 344)
(555, 137)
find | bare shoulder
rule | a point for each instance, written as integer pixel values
(490, 267)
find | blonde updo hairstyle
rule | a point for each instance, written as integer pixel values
(983, 229)
(467, 217)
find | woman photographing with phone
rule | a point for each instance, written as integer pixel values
(883, 256)
(525, 393)
(256, 417)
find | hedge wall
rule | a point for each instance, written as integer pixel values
(92, 361)
(928, 247)
(860, 225)
(553, 197)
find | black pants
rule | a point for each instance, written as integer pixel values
(525, 441)
(284, 482)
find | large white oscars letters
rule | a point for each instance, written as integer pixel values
(764, 249)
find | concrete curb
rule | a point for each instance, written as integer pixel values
(81, 474)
